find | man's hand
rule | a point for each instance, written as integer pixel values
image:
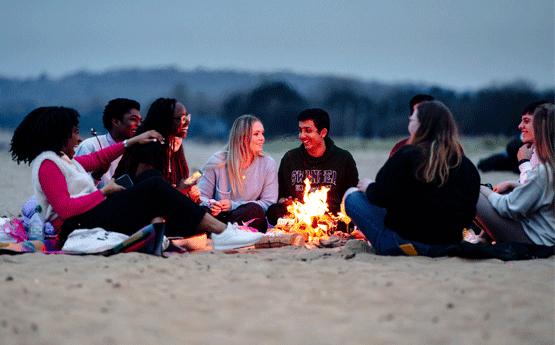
(525, 152)
(286, 201)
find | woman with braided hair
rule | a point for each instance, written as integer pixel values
(168, 117)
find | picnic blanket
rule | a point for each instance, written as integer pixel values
(147, 240)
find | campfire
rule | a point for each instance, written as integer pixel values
(311, 217)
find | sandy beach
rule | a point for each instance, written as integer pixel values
(287, 295)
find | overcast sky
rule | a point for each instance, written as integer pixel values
(463, 44)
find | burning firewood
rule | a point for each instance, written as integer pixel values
(280, 240)
(311, 218)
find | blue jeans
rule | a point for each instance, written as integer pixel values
(369, 219)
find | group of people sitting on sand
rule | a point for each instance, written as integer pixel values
(420, 203)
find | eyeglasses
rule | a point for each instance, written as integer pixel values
(184, 119)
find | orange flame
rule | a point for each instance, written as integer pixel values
(311, 218)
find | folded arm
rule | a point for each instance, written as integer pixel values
(54, 185)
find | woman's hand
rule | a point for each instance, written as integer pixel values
(226, 205)
(363, 184)
(219, 206)
(111, 188)
(505, 187)
(486, 191)
(215, 208)
(146, 138)
(194, 193)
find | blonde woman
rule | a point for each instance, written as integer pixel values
(240, 182)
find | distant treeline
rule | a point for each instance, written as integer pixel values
(217, 98)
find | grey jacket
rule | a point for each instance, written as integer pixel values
(532, 205)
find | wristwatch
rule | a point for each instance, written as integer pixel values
(125, 143)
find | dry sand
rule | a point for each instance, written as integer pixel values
(289, 295)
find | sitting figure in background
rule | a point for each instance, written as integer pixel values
(169, 118)
(525, 213)
(515, 155)
(526, 154)
(414, 102)
(424, 196)
(240, 182)
(121, 119)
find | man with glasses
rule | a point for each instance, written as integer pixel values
(121, 119)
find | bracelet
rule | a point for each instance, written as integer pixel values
(125, 143)
(523, 161)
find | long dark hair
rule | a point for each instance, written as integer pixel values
(43, 129)
(160, 118)
(438, 136)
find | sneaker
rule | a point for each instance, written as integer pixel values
(232, 238)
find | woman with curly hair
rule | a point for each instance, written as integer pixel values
(424, 196)
(46, 139)
(240, 182)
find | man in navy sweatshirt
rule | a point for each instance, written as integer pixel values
(318, 159)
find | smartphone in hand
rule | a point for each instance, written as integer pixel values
(125, 181)
(193, 179)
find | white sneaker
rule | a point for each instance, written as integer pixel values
(232, 238)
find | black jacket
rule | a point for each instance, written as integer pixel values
(424, 212)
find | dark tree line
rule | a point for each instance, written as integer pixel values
(495, 110)
(356, 108)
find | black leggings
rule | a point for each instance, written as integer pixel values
(130, 210)
(245, 213)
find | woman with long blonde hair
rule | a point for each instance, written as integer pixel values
(240, 182)
(424, 196)
(526, 214)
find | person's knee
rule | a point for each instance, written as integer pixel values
(275, 212)
(255, 215)
(351, 201)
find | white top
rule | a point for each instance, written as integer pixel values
(527, 166)
(78, 181)
(91, 145)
